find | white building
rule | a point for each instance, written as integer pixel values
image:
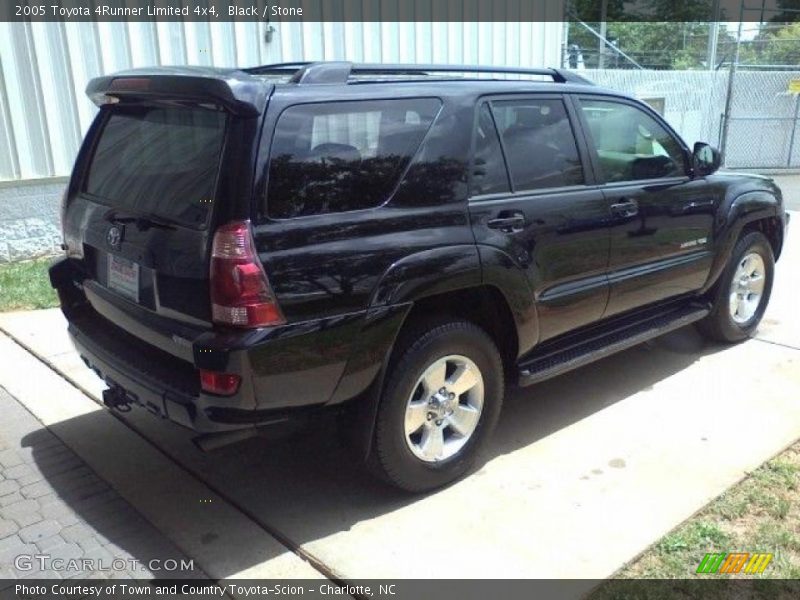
(44, 68)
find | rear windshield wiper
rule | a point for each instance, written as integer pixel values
(143, 222)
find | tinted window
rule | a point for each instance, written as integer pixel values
(539, 143)
(343, 156)
(159, 161)
(630, 143)
(489, 175)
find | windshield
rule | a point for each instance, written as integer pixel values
(160, 161)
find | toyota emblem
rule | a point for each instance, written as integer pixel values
(114, 237)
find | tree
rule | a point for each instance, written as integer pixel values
(654, 45)
(776, 44)
(657, 34)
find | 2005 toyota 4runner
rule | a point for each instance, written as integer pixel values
(394, 242)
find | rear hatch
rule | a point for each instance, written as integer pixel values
(148, 192)
(150, 187)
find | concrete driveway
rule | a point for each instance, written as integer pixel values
(584, 471)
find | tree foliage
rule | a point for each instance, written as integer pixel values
(777, 44)
(653, 45)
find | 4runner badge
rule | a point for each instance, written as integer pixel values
(114, 237)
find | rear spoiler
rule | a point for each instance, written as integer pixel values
(237, 91)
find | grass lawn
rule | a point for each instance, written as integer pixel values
(760, 514)
(25, 285)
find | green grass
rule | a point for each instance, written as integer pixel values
(25, 285)
(760, 514)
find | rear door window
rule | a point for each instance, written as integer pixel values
(489, 174)
(160, 161)
(539, 143)
(342, 156)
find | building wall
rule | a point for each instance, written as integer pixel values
(29, 218)
(44, 68)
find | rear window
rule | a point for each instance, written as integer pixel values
(160, 161)
(343, 156)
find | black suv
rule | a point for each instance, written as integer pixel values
(393, 242)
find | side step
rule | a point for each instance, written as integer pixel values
(600, 342)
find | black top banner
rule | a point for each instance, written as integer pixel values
(400, 10)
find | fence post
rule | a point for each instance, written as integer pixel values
(794, 129)
(729, 97)
(713, 37)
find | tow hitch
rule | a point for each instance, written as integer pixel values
(115, 397)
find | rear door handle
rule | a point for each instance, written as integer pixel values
(625, 208)
(508, 222)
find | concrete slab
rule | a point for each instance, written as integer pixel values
(611, 456)
(46, 334)
(223, 541)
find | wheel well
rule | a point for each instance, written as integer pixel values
(772, 230)
(484, 305)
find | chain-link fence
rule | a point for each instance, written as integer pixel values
(763, 120)
(762, 125)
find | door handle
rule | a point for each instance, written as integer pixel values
(508, 222)
(625, 208)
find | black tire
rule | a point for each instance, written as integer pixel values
(418, 349)
(720, 325)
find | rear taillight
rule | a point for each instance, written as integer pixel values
(130, 84)
(240, 291)
(221, 384)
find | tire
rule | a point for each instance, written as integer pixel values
(444, 350)
(736, 320)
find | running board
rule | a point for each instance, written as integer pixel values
(562, 358)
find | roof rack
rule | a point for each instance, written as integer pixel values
(341, 71)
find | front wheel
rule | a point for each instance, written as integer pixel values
(742, 293)
(440, 404)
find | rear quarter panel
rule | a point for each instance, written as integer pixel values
(324, 266)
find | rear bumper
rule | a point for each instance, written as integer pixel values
(165, 391)
(287, 373)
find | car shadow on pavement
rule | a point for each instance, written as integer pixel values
(534, 412)
(91, 531)
(306, 487)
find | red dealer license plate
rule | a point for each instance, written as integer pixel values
(123, 277)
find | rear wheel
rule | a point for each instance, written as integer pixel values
(441, 402)
(742, 294)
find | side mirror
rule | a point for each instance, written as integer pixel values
(706, 159)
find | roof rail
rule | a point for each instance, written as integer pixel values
(340, 71)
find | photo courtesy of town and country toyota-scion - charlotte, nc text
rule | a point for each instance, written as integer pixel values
(177, 10)
(236, 590)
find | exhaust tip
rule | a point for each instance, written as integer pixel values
(213, 441)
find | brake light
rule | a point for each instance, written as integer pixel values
(129, 84)
(222, 384)
(240, 291)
